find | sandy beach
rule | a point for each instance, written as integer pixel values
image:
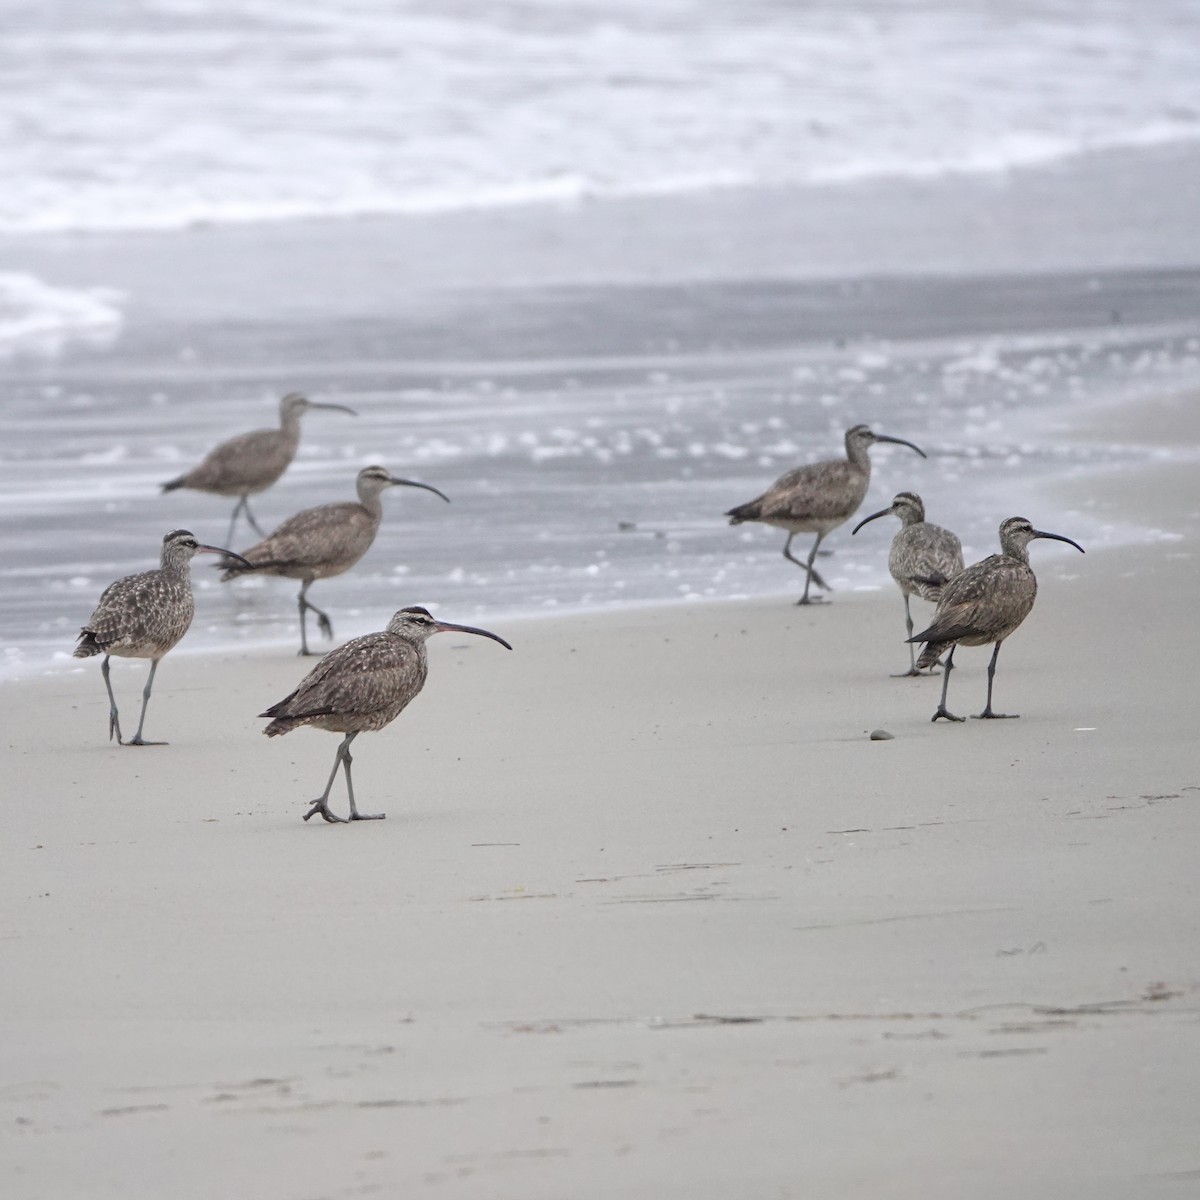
(649, 915)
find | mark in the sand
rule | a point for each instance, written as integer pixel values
(477, 844)
(436, 1102)
(517, 896)
(849, 831)
(1015, 1052)
(703, 866)
(954, 912)
(606, 1083)
(130, 1109)
(871, 1077)
(1036, 948)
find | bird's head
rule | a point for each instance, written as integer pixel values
(374, 479)
(417, 624)
(294, 405)
(180, 546)
(860, 438)
(905, 505)
(1016, 533)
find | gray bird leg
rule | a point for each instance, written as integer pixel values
(912, 653)
(321, 805)
(233, 516)
(355, 815)
(323, 621)
(942, 711)
(813, 573)
(250, 517)
(987, 714)
(137, 737)
(114, 725)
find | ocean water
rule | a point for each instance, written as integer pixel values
(119, 114)
(591, 479)
(590, 437)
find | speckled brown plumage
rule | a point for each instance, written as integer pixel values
(318, 543)
(144, 616)
(361, 687)
(817, 498)
(984, 604)
(248, 464)
(922, 558)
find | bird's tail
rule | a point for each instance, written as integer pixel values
(88, 646)
(172, 484)
(932, 652)
(230, 568)
(749, 511)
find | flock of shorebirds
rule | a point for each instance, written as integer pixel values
(366, 683)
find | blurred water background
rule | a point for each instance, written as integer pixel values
(590, 419)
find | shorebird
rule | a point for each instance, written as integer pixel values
(817, 498)
(922, 559)
(144, 616)
(361, 687)
(320, 542)
(251, 463)
(984, 604)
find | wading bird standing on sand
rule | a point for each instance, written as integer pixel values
(143, 616)
(320, 542)
(923, 558)
(984, 604)
(360, 687)
(251, 463)
(817, 498)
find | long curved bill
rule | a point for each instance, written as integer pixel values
(1058, 537)
(336, 408)
(883, 437)
(447, 627)
(883, 512)
(202, 549)
(426, 487)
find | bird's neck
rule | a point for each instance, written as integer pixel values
(859, 455)
(176, 566)
(370, 500)
(1011, 548)
(289, 425)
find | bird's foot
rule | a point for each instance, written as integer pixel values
(357, 816)
(305, 652)
(320, 806)
(944, 714)
(911, 673)
(140, 741)
(988, 715)
(807, 600)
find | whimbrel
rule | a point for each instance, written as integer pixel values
(984, 604)
(922, 559)
(325, 541)
(143, 616)
(251, 463)
(817, 498)
(361, 687)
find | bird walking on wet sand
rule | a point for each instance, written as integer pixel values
(361, 687)
(817, 498)
(984, 604)
(246, 465)
(318, 543)
(144, 616)
(924, 557)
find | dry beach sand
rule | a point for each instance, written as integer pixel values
(649, 915)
